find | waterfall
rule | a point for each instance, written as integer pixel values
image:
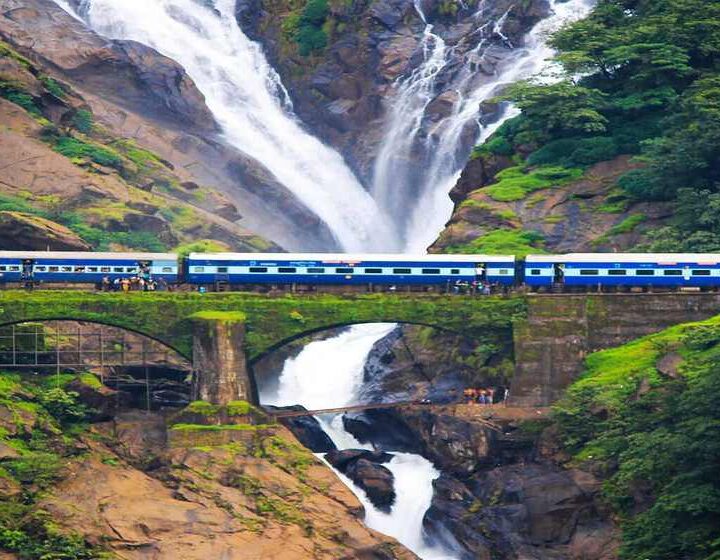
(247, 98)
(443, 147)
(329, 374)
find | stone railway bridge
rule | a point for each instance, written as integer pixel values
(224, 334)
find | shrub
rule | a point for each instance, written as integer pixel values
(499, 146)
(309, 33)
(53, 87)
(82, 121)
(575, 152)
(63, 405)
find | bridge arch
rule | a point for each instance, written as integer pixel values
(255, 358)
(106, 323)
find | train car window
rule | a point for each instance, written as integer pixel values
(92, 269)
(79, 269)
(130, 269)
(14, 268)
(503, 272)
(102, 269)
(644, 273)
(345, 270)
(118, 269)
(373, 271)
(3, 268)
(455, 271)
(222, 269)
(672, 272)
(589, 272)
(167, 269)
(535, 272)
(402, 271)
(258, 269)
(286, 270)
(431, 271)
(40, 268)
(617, 272)
(701, 273)
(316, 271)
(54, 268)
(199, 269)
(66, 268)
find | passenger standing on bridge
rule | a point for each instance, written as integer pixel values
(125, 285)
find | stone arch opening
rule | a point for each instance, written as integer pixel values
(435, 361)
(141, 370)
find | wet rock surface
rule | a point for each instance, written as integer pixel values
(345, 93)
(306, 429)
(364, 468)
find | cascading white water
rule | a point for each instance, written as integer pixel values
(329, 374)
(248, 100)
(444, 151)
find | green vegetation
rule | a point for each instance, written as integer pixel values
(306, 27)
(46, 424)
(649, 87)
(503, 242)
(227, 317)
(269, 320)
(201, 246)
(515, 183)
(656, 438)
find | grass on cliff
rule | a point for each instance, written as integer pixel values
(656, 437)
(515, 183)
(39, 426)
(503, 242)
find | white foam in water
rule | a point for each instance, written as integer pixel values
(248, 100)
(395, 179)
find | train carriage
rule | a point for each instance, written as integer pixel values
(84, 267)
(344, 269)
(666, 270)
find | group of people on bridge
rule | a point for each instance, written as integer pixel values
(485, 396)
(142, 282)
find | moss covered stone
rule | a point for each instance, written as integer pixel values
(270, 321)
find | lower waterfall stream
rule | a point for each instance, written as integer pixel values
(329, 373)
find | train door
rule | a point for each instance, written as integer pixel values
(480, 272)
(27, 273)
(558, 275)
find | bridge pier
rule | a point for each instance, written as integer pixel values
(220, 371)
(560, 331)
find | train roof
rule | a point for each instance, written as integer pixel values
(653, 258)
(87, 255)
(350, 258)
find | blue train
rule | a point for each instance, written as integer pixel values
(537, 272)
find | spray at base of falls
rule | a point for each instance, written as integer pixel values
(250, 103)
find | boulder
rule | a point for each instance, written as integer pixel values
(26, 232)
(152, 224)
(376, 480)
(306, 429)
(342, 459)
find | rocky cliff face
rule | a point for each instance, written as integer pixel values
(505, 491)
(147, 485)
(345, 91)
(586, 214)
(137, 95)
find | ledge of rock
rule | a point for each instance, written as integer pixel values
(25, 232)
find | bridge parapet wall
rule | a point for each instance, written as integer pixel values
(560, 331)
